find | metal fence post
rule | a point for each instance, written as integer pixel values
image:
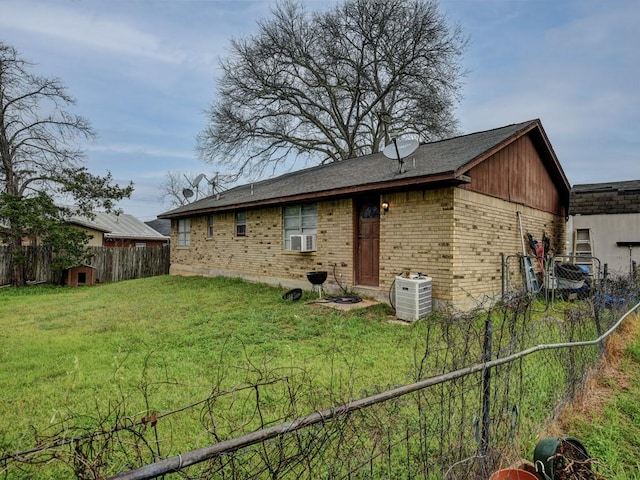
(503, 279)
(486, 387)
(599, 303)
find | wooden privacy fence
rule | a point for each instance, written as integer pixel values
(112, 264)
(115, 264)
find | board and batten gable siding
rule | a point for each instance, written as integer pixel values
(259, 256)
(485, 227)
(517, 174)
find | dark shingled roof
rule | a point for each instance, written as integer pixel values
(605, 198)
(161, 225)
(444, 161)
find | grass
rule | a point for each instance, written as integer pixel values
(161, 343)
(164, 342)
(607, 417)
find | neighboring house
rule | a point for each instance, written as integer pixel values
(604, 222)
(161, 225)
(123, 230)
(96, 234)
(451, 212)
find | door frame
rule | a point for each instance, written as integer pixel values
(358, 204)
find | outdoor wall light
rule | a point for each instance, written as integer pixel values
(385, 206)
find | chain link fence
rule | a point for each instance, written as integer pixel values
(553, 280)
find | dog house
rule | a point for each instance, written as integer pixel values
(80, 275)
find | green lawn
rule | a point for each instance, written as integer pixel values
(608, 422)
(161, 343)
(74, 358)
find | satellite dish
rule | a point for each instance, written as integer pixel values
(187, 193)
(196, 180)
(399, 149)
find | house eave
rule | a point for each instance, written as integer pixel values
(121, 236)
(92, 226)
(433, 181)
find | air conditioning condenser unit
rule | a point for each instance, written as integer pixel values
(413, 297)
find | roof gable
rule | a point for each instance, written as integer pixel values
(435, 163)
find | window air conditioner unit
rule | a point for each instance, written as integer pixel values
(303, 243)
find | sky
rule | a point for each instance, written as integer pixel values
(143, 72)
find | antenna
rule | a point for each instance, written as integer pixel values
(400, 149)
(214, 185)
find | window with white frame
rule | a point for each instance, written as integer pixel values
(184, 232)
(210, 226)
(241, 224)
(299, 220)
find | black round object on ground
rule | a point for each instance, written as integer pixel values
(293, 295)
(345, 299)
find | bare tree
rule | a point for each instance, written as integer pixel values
(334, 84)
(172, 187)
(41, 162)
(175, 185)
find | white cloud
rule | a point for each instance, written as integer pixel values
(140, 150)
(114, 33)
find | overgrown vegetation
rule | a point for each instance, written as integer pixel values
(606, 417)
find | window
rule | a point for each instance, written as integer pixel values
(210, 226)
(241, 224)
(299, 220)
(184, 232)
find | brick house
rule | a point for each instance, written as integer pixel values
(604, 222)
(449, 213)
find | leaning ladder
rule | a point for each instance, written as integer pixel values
(528, 272)
(529, 277)
(583, 248)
